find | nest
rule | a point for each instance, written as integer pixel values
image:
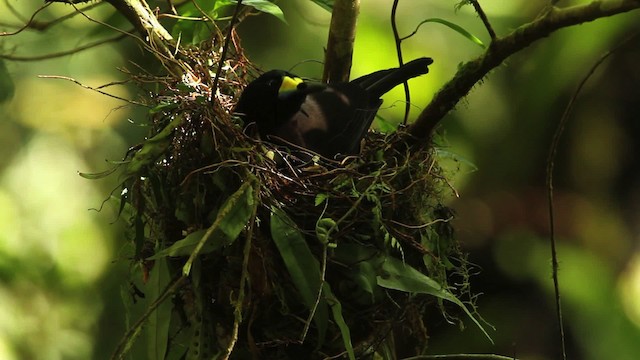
(297, 257)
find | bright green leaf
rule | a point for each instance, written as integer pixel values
(320, 198)
(325, 4)
(100, 175)
(266, 7)
(457, 28)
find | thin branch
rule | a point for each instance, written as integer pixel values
(96, 89)
(63, 53)
(42, 26)
(550, 167)
(28, 24)
(137, 12)
(157, 39)
(398, 41)
(425, 225)
(140, 40)
(500, 49)
(223, 56)
(483, 17)
(396, 34)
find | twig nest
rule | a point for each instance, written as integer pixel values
(285, 253)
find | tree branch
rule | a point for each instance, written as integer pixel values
(62, 53)
(342, 33)
(501, 48)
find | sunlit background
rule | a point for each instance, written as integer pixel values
(62, 278)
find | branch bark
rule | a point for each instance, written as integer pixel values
(342, 34)
(500, 49)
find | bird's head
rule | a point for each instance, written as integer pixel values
(267, 99)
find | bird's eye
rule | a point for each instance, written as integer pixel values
(302, 85)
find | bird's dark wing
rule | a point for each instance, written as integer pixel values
(342, 113)
(364, 94)
(348, 118)
(380, 82)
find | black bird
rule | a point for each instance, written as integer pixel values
(327, 119)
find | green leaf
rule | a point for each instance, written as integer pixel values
(400, 276)
(320, 198)
(152, 148)
(182, 247)
(325, 4)
(232, 218)
(163, 106)
(189, 29)
(301, 265)
(362, 266)
(365, 277)
(457, 28)
(266, 7)
(99, 175)
(159, 321)
(336, 311)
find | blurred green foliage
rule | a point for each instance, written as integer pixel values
(61, 270)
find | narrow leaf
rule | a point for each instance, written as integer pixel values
(232, 217)
(159, 320)
(457, 28)
(98, 175)
(336, 310)
(152, 148)
(400, 276)
(182, 247)
(301, 264)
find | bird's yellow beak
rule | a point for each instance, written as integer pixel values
(289, 84)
